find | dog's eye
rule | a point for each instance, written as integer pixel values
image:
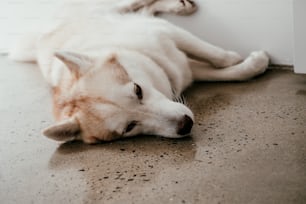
(130, 126)
(138, 91)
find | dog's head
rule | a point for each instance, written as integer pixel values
(112, 98)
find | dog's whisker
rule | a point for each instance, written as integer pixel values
(183, 99)
(179, 99)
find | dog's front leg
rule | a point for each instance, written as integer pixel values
(201, 50)
(254, 65)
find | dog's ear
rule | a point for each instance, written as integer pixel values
(63, 131)
(78, 64)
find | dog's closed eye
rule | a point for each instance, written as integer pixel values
(130, 126)
(138, 91)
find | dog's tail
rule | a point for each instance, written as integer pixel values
(24, 50)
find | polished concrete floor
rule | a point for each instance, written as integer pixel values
(248, 146)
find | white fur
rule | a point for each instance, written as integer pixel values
(160, 57)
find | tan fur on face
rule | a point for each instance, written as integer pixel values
(111, 64)
(69, 102)
(82, 103)
(120, 73)
(90, 121)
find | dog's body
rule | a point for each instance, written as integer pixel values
(115, 69)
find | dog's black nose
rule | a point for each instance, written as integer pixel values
(185, 125)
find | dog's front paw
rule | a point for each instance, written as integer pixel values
(185, 7)
(256, 63)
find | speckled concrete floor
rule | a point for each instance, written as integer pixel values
(248, 146)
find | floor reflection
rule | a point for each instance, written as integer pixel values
(123, 166)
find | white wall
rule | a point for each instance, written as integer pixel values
(19, 16)
(300, 36)
(241, 25)
(245, 25)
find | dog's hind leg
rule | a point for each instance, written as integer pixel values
(179, 7)
(254, 65)
(130, 6)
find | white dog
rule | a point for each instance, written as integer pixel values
(116, 70)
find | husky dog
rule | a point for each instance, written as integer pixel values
(117, 71)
